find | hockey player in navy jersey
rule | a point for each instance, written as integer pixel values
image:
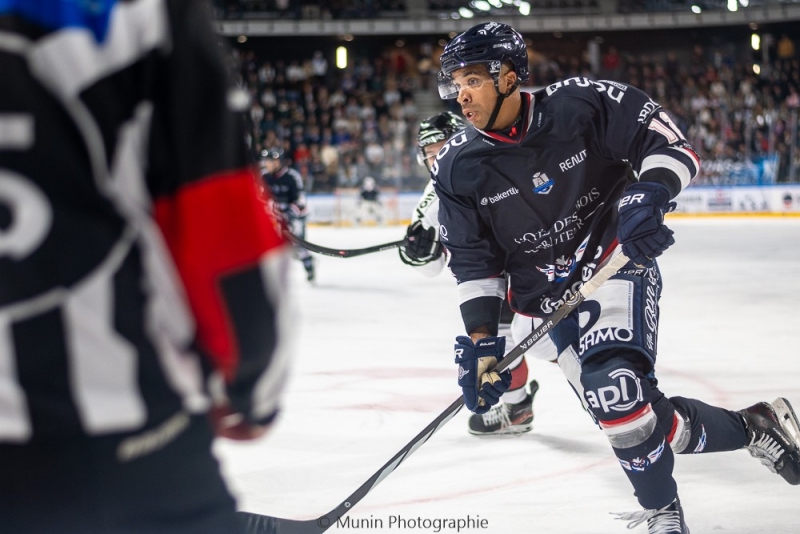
(137, 264)
(288, 198)
(424, 252)
(541, 190)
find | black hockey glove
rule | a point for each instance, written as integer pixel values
(421, 245)
(641, 229)
(481, 386)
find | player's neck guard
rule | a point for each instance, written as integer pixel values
(499, 103)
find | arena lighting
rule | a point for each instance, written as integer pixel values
(755, 41)
(733, 5)
(481, 5)
(496, 3)
(524, 9)
(696, 9)
(466, 13)
(341, 57)
(744, 3)
(242, 39)
(756, 68)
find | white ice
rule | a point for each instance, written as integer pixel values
(373, 366)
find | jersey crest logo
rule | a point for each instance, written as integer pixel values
(563, 267)
(542, 184)
(560, 271)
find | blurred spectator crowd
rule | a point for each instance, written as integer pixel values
(743, 124)
(360, 9)
(310, 9)
(340, 126)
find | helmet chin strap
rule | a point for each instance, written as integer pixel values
(499, 103)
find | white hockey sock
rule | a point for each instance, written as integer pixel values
(515, 397)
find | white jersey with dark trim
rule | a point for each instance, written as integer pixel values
(427, 212)
(542, 207)
(122, 165)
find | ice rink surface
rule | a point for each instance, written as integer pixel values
(373, 366)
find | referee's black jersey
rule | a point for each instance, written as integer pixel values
(134, 251)
(541, 206)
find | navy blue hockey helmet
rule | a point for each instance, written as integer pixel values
(488, 43)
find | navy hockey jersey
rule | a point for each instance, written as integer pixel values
(542, 208)
(134, 249)
(286, 187)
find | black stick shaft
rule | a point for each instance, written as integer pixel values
(262, 524)
(342, 253)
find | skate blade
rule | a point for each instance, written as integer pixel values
(517, 430)
(788, 420)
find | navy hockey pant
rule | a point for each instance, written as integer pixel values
(607, 350)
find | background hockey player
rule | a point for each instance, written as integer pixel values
(543, 188)
(369, 202)
(288, 199)
(135, 254)
(425, 253)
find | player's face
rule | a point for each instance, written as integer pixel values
(272, 165)
(477, 94)
(429, 153)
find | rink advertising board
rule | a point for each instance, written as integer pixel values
(734, 200)
(743, 200)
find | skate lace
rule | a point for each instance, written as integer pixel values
(498, 414)
(661, 521)
(766, 448)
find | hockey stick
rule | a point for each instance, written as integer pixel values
(263, 524)
(342, 253)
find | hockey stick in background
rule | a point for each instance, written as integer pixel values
(263, 524)
(341, 253)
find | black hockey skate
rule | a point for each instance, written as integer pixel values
(506, 418)
(774, 433)
(308, 263)
(667, 520)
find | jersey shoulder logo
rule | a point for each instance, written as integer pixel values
(542, 184)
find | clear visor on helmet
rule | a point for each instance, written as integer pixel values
(429, 138)
(447, 89)
(426, 160)
(474, 80)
